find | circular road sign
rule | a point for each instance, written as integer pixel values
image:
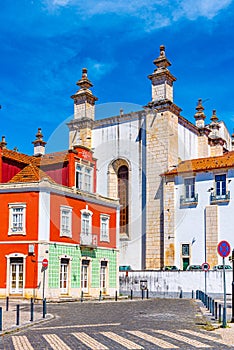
(205, 266)
(45, 262)
(224, 249)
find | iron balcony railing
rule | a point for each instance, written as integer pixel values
(214, 198)
(184, 201)
(88, 240)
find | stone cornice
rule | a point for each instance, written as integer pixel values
(80, 123)
(119, 119)
(47, 186)
(164, 106)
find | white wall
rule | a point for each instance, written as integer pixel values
(190, 221)
(173, 281)
(121, 141)
(187, 143)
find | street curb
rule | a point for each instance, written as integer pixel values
(26, 325)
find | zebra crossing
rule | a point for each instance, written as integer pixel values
(161, 339)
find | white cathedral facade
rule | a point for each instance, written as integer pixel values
(173, 178)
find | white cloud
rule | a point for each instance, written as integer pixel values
(153, 13)
(192, 9)
(98, 69)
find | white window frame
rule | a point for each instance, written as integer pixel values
(104, 227)
(13, 228)
(86, 221)
(84, 177)
(189, 187)
(219, 186)
(65, 220)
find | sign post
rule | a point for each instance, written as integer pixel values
(205, 268)
(44, 267)
(224, 250)
(232, 259)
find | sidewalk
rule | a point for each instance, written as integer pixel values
(227, 334)
(9, 317)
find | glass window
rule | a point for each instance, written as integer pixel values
(86, 223)
(79, 177)
(84, 178)
(123, 197)
(66, 221)
(189, 188)
(104, 228)
(17, 213)
(185, 249)
(220, 184)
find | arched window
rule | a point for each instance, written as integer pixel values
(123, 197)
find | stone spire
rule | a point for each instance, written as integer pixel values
(214, 125)
(39, 144)
(3, 142)
(162, 79)
(215, 141)
(84, 100)
(199, 115)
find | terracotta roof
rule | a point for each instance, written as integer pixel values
(19, 157)
(51, 158)
(204, 164)
(31, 173)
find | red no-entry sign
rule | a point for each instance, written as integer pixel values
(224, 249)
(45, 262)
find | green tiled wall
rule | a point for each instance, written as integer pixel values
(57, 250)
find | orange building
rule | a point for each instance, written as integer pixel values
(50, 210)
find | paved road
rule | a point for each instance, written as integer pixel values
(147, 324)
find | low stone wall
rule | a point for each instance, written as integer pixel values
(171, 283)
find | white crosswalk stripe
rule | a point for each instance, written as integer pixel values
(89, 341)
(179, 337)
(21, 342)
(122, 341)
(202, 335)
(55, 342)
(156, 341)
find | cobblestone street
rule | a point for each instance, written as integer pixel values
(147, 324)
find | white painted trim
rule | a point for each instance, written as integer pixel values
(44, 216)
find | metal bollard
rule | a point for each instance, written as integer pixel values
(81, 297)
(17, 315)
(147, 293)
(192, 294)
(131, 295)
(181, 294)
(213, 307)
(0, 318)
(220, 312)
(7, 303)
(31, 310)
(216, 310)
(100, 295)
(224, 325)
(116, 295)
(197, 294)
(44, 308)
(142, 294)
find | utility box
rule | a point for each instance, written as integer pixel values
(143, 284)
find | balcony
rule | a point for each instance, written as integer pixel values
(88, 240)
(219, 199)
(188, 202)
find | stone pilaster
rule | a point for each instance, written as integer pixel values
(162, 154)
(211, 239)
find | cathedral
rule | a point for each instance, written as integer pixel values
(173, 178)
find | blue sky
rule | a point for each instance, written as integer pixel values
(45, 44)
